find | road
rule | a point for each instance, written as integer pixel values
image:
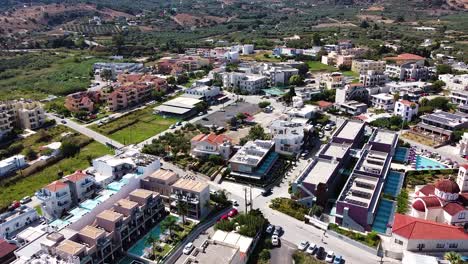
(282, 254)
(85, 131)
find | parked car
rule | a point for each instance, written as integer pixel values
(223, 217)
(303, 245)
(188, 248)
(275, 240)
(311, 249)
(25, 200)
(270, 229)
(266, 192)
(305, 154)
(172, 127)
(278, 231)
(328, 127)
(338, 259)
(233, 212)
(178, 123)
(330, 256)
(320, 253)
(63, 121)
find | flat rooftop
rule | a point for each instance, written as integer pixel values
(126, 204)
(359, 190)
(70, 247)
(320, 171)
(142, 193)
(384, 137)
(163, 174)
(190, 185)
(335, 150)
(253, 152)
(349, 130)
(91, 232)
(110, 215)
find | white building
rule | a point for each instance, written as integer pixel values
(195, 194)
(247, 49)
(332, 80)
(204, 145)
(353, 91)
(353, 107)
(231, 56)
(363, 66)
(288, 136)
(422, 236)
(408, 71)
(306, 111)
(278, 75)
(455, 82)
(55, 199)
(462, 177)
(383, 101)
(208, 93)
(12, 164)
(82, 186)
(459, 97)
(12, 221)
(406, 109)
(372, 78)
(463, 146)
(254, 160)
(250, 83)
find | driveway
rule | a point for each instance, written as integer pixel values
(283, 254)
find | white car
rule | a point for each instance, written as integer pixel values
(330, 256)
(275, 240)
(311, 248)
(234, 202)
(303, 245)
(188, 248)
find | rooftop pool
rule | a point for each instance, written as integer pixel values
(423, 163)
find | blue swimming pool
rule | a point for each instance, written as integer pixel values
(382, 217)
(423, 163)
(139, 248)
(393, 183)
(401, 154)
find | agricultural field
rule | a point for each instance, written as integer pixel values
(317, 66)
(136, 126)
(93, 29)
(36, 75)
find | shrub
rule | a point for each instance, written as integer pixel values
(265, 254)
(289, 207)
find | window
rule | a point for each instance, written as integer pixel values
(399, 242)
(461, 215)
(440, 245)
(453, 245)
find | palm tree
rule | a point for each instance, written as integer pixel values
(182, 209)
(169, 223)
(453, 257)
(153, 242)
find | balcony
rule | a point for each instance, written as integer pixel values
(62, 196)
(85, 259)
(86, 184)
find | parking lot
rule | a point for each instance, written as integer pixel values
(220, 118)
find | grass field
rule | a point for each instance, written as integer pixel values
(29, 185)
(315, 66)
(37, 75)
(146, 126)
(263, 56)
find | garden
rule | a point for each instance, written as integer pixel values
(370, 239)
(246, 224)
(135, 127)
(290, 207)
(301, 257)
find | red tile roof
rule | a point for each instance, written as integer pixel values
(6, 248)
(406, 102)
(405, 56)
(56, 186)
(453, 208)
(324, 104)
(427, 190)
(212, 138)
(419, 206)
(464, 166)
(415, 228)
(431, 201)
(447, 186)
(77, 176)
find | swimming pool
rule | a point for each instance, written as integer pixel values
(401, 154)
(423, 163)
(393, 183)
(382, 217)
(139, 248)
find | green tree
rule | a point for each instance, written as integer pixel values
(296, 80)
(241, 116)
(364, 24)
(171, 80)
(316, 210)
(31, 154)
(443, 69)
(437, 86)
(263, 104)
(316, 40)
(153, 242)
(264, 254)
(182, 209)
(158, 95)
(215, 159)
(169, 223)
(453, 257)
(69, 148)
(182, 79)
(106, 74)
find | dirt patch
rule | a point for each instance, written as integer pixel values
(32, 18)
(376, 8)
(331, 25)
(188, 20)
(375, 18)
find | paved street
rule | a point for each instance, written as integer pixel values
(85, 131)
(283, 254)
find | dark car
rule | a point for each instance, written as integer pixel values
(63, 122)
(266, 192)
(320, 253)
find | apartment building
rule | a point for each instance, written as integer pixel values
(333, 80)
(278, 75)
(204, 145)
(82, 101)
(406, 109)
(180, 64)
(455, 82)
(409, 71)
(130, 95)
(357, 203)
(194, 194)
(20, 114)
(319, 180)
(204, 92)
(81, 186)
(352, 107)
(353, 91)
(459, 97)
(373, 78)
(160, 181)
(362, 66)
(158, 83)
(411, 91)
(13, 221)
(336, 59)
(288, 136)
(117, 67)
(249, 83)
(55, 199)
(383, 101)
(12, 164)
(441, 124)
(254, 160)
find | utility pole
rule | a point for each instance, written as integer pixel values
(251, 201)
(245, 200)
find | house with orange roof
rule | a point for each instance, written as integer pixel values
(81, 185)
(81, 101)
(204, 145)
(418, 235)
(55, 199)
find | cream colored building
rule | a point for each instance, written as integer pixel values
(20, 114)
(362, 66)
